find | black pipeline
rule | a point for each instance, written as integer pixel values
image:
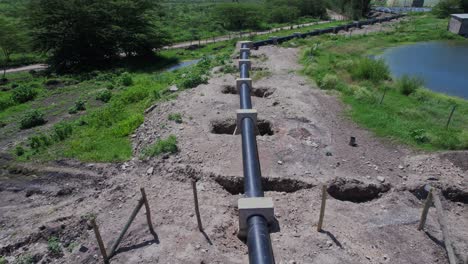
(258, 235)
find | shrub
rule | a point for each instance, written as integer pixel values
(329, 82)
(62, 131)
(446, 7)
(176, 117)
(126, 79)
(363, 94)
(192, 80)
(53, 245)
(80, 105)
(104, 96)
(5, 103)
(24, 259)
(23, 94)
(420, 136)
(19, 151)
(2, 260)
(31, 119)
(369, 69)
(408, 85)
(39, 141)
(161, 146)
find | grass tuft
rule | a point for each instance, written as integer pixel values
(161, 146)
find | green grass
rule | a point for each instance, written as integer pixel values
(176, 117)
(161, 146)
(409, 113)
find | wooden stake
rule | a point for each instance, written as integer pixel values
(450, 117)
(427, 205)
(99, 240)
(383, 96)
(148, 212)
(443, 226)
(197, 210)
(322, 208)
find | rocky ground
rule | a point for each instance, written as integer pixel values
(376, 188)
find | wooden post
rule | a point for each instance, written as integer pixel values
(99, 240)
(450, 116)
(129, 222)
(443, 226)
(427, 205)
(148, 212)
(383, 96)
(197, 210)
(322, 208)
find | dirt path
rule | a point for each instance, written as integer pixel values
(371, 215)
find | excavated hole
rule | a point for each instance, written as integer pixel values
(262, 92)
(451, 193)
(228, 126)
(356, 191)
(235, 185)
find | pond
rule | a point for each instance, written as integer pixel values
(442, 65)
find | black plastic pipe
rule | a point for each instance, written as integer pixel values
(258, 235)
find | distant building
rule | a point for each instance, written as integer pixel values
(459, 24)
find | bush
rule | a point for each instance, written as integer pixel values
(39, 141)
(408, 85)
(329, 82)
(104, 96)
(25, 259)
(192, 80)
(369, 69)
(446, 7)
(62, 131)
(80, 105)
(176, 117)
(126, 79)
(161, 146)
(23, 94)
(19, 151)
(53, 245)
(31, 119)
(5, 103)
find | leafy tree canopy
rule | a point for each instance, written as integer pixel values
(82, 34)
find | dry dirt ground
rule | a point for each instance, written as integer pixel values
(376, 188)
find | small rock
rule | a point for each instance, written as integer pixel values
(401, 167)
(83, 249)
(280, 162)
(173, 89)
(328, 154)
(381, 179)
(150, 171)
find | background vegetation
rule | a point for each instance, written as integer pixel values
(408, 113)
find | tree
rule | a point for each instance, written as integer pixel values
(238, 16)
(11, 40)
(446, 7)
(83, 34)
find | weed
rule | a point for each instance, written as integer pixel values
(72, 246)
(62, 131)
(104, 96)
(80, 105)
(329, 82)
(176, 117)
(23, 94)
(192, 80)
(2, 260)
(161, 146)
(39, 141)
(19, 151)
(372, 70)
(126, 79)
(409, 85)
(54, 247)
(420, 136)
(31, 119)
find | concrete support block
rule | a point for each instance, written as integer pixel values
(249, 44)
(240, 81)
(245, 50)
(261, 206)
(246, 113)
(246, 62)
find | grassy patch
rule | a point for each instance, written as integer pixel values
(161, 146)
(176, 117)
(409, 113)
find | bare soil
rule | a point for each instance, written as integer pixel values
(376, 188)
